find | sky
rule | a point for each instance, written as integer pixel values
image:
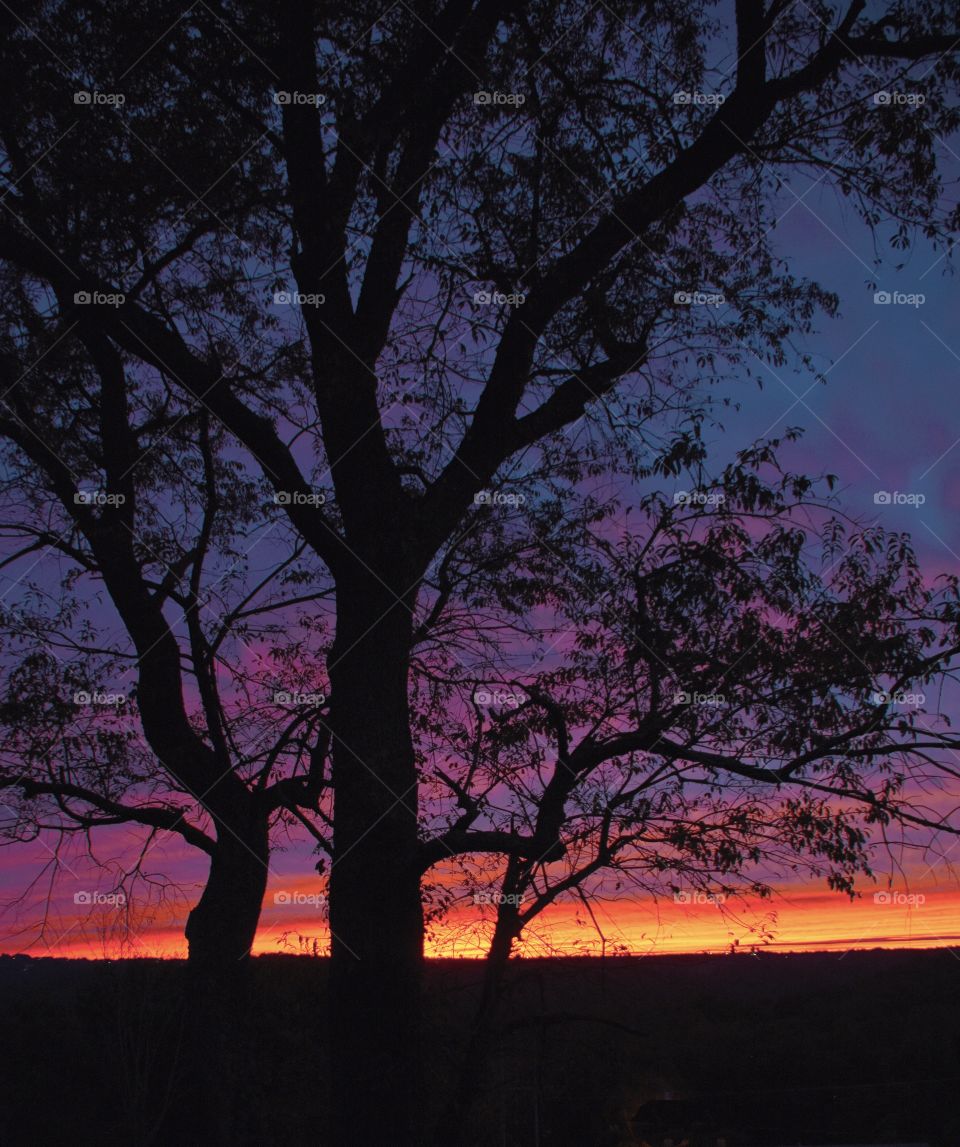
(887, 422)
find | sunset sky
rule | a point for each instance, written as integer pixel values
(888, 419)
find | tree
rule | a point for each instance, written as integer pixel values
(395, 269)
(731, 706)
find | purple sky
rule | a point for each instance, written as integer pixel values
(887, 419)
(888, 416)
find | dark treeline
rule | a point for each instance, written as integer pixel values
(585, 1044)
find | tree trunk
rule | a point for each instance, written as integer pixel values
(471, 1070)
(208, 1104)
(376, 915)
(222, 925)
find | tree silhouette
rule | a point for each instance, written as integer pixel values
(413, 304)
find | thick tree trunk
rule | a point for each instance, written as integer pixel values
(222, 925)
(376, 916)
(208, 1105)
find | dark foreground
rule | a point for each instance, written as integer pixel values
(869, 1040)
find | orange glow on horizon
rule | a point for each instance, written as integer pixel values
(801, 919)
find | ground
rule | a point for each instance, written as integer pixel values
(585, 1042)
